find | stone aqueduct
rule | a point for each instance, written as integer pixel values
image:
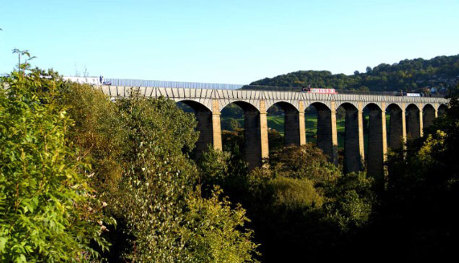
(408, 117)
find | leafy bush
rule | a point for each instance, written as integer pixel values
(47, 210)
(168, 220)
(214, 234)
(418, 207)
(295, 193)
(214, 169)
(302, 204)
(151, 186)
(99, 133)
(350, 201)
(306, 161)
(157, 178)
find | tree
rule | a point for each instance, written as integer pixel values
(215, 231)
(20, 53)
(139, 150)
(417, 213)
(99, 134)
(300, 205)
(47, 210)
(364, 89)
(306, 161)
(157, 199)
(406, 75)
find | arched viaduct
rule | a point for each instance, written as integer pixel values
(408, 117)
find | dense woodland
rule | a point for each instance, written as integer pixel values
(87, 179)
(415, 75)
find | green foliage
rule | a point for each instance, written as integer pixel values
(233, 141)
(98, 132)
(295, 193)
(407, 75)
(275, 140)
(25, 65)
(214, 168)
(304, 176)
(233, 111)
(316, 208)
(418, 206)
(231, 124)
(226, 170)
(48, 212)
(234, 124)
(350, 201)
(305, 161)
(214, 234)
(139, 151)
(300, 204)
(154, 197)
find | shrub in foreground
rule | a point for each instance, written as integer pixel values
(47, 210)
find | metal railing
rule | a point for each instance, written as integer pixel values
(199, 85)
(169, 84)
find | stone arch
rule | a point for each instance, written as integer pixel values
(341, 103)
(319, 105)
(395, 129)
(291, 122)
(442, 109)
(324, 129)
(394, 105)
(411, 105)
(245, 105)
(413, 121)
(204, 127)
(352, 155)
(323, 105)
(428, 115)
(372, 105)
(252, 133)
(195, 105)
(291, 104)
(375, 146)
(253, 103)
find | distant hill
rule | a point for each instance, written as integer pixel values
(413, 75)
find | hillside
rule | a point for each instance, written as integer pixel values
(417, 75)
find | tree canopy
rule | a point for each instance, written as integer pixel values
(406, 75)
(48, 210)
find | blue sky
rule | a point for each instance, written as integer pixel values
(232, 41)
